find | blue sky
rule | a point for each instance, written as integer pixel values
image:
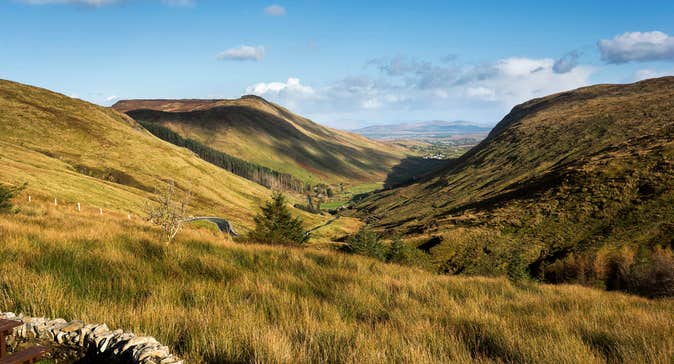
(345, 64)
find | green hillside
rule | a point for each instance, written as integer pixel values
(74, 151)
(568, 178)
(264, 133)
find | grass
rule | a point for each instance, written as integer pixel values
(342, 199)
(212, 301)
(75, 151)
(570, 173)
(266, 134)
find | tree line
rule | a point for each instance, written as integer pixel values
(251, 171)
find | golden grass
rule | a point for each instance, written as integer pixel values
(214, 301)
(79, 152)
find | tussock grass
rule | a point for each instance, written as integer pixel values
(214, 301)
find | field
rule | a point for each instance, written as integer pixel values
(342, 199)
(216, 301)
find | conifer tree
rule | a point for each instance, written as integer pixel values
(276, 225)
(7, 193)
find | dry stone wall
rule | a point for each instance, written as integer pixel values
(90, 340)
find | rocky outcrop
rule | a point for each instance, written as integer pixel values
(95, 341)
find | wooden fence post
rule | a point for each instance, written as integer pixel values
(79, 207)
(56, 203)
(30, 198)
(100, 211)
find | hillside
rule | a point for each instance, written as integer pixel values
(75, 151)
(423, 130)
(255, 130)
(561, 179)
(228, 303)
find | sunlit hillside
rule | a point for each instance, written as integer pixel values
(74, 151)
(259, 131)
(561, 183)
(212, 301)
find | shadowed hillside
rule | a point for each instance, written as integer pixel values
(264, 133)
(75, 151)
(569, 176)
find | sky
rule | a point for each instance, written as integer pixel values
(346, 64)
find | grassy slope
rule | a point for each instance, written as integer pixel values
(214, 302)
(264, 133)
(567, 172)
(79, 152)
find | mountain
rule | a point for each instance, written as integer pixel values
(75, 151)
(561, 179)
(255, 130)
(423, 130)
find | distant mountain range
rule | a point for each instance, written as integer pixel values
(422, 130)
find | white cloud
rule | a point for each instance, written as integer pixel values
(275, 10)
(637, 46)
(243, 53)
(292, 85)
(413, 87)
(516, 80)
(289, 93)
(481, 92)
(650, 73)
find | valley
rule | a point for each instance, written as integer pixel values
(438, 244)
(338, 182)
(571, 188)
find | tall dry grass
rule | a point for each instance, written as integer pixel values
(214, 301)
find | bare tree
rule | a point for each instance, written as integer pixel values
(168, 212)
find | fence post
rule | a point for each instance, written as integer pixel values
(30, 198)
(129, 216)
(56, 203)
(79, 207)
(100, 211)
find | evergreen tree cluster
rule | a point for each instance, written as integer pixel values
(368, 243)
(251, 171)
(276, 225)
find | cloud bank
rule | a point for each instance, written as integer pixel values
(401, 83)
(637, 47)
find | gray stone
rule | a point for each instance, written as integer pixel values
(80, 336)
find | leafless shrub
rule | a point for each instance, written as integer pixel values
(167, 211)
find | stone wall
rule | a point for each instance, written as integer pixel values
(95, 341)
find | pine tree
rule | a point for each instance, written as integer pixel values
(7, 193)
(276, 225)
(367, 242)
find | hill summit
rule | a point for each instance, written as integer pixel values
(261, 132)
